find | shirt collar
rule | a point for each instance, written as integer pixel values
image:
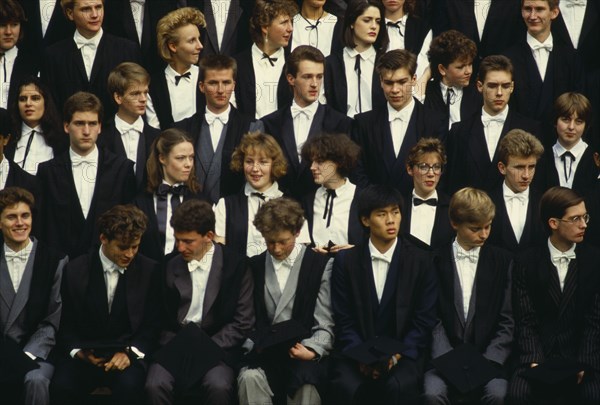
(554, 252)
(531, 41)
(433, 195)
(364, 55)
(402, 20)
(457, 90)
(404, 114)
(290, 260)
(387, 255)
(501, 116)
(224, 114)
(311, 109)
(92, 157)
(123, 127)
(205, 263)
(341, 190)
(460, 252)
(508, 192)
(170, 73)
(25, 251)
(107, 264)
(257, 54)
(95, 39)
(271, 192)
(11, 54)
(4, 166)
(576, 150)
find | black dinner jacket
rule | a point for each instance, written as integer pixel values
(502, 233)
(63, 225)
(237, 126)
(85, 315)
(378, 165)
(246, 87)
(550, 322)
(26, 65)
(64, 70)
(592, 203)
(468, 158)
(59, 27)
(442, 233)
(336, 85)
(298, 180)
(470, 104)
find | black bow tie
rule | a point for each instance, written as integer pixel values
(259, 195)
(165, 189)
(430, 201)
(179, 77)
(397, 25)
(271, 60)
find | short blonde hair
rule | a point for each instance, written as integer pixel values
(519, 143)
(166, 27)
(470, 205)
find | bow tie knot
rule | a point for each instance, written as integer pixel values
(14, 256)
(114, 268)
(194, 265)
(210, 118)
(379, 256)
(575, 4)
(296, 110)
(519, 197)
(396, 115)
(79, 160)
(464, 255)
(136, 126)
(164, 189)
(547, 47)
(81, 42)
(178, 78)
(270, 59)
(488, 120)
(430, 201)
(562, 257)
(398, 24)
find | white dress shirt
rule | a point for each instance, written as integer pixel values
(380, 262)
(130, 136)
(492, 129)
(455, 102)
(466, 267)
(88, 48)
(111, 277)
(541, 52)
(302, 119)
(220, 10)
(561, 261)
(367, 66)
(481, 9)
(337, 232)
(182, 95)
(4, 169)
(267, 80)
(320, 37)
(573, 13)
(399, 123)
(169, 232)
(7, 62)
(422, 218)
(283, 268)
(216, 123)
(39, 151)
(516, 207)
(137, 10)
(199, 272)
(16, 262)
(577, 151)
(85, 170)
(46, 11)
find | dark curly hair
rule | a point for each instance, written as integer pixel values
(279, 214)
(265, 11)
(338, 148)
(194, 215)
(125, 223)
(448, 47)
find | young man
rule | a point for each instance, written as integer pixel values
(174, 90)
(218, 129)
(557, 306)
(473, 142)
(83, 182)
(210, 285)
(128, 135)
(516, 225)
(109, 322)
(385, 136)
(426, 219)
(543, 69)
(30, 304)
(384, 287)
(84, 62)
(569, 162)
(475, 301)
(290, 282)
(293, 125)
(15, 63)
(450, 93)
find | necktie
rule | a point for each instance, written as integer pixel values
(27, 148)
(358, 72)
(161, 205)
(396, 24)
(331, 194)
(179, 77)
(270, 59)
(260, 196)
(450, 99)
(430, 201)
(564, 157)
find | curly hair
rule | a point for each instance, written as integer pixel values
(13, 195)
(279, 214)
(259, 142)
(338, 148)
(125, 223)
(193, 215)
(168, 25)
(448, 47)
(423, 146)
(265, 11)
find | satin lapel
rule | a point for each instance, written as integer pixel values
(23, 293)
(383, 141)
(78, 60)
(7, 293)
(550, 275)
(589, 20)
(66, 182)
(570, 287)
(99, 58)
(211, 26)
(234, 15)
(458, 295)
(289, 291)
(478, 145)
(271, 284)
(288, 137)
(135, 299)
(183, 284)
(213, 285)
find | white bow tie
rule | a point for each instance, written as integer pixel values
(379, 256)
(81, 42)
(462, 255)
(13, 256)
(547, 47)
(114, 268)
(556, 259)
(194, 265)
(78, 160)
(210, 118)
(487, 120)
(136, 126)
(575, 4)
(520, 197)
(396, 115)
(296, 110)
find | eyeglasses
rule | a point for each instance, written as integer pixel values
(424, 168)
(576, 219)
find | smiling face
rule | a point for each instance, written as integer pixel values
(569, 130)
(472, 235)
(383, 224)
(83, 131)
(186, 51)
(257, 170)
(366, 28)
(15, 224)
(178, 164)
(538, 18)
(397, 87)
(425, 184)
(307, 83)
(87, 16)
(31, 105)
(496, 90)
(518, 172)
(278, 33)
(457, 74)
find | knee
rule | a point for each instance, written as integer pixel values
(251, 377)
(156, 384)
(495, 392)
(33, 379)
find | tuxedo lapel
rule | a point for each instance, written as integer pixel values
(234, 15)
(458, 295)
(213, 285)
(22, 295)
(391, 281)
(99, 59)
(289, 138)
(570, 287)
(271, 284)
(183, 284)
(478, 145)
(211, 26)
(78, 62)
(289, 291)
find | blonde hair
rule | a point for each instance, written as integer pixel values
(470, 205)
(166, 27)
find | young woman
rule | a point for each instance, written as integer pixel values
(261, 159)
(351, 82)
(171, 180)
(38, 136)
(316, 27)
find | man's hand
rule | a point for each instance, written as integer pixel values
(301, 352)
(120, 361)
(88, 357)
(324, 250)
(367, 371)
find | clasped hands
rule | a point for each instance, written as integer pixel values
(381, 368)
(118, 362)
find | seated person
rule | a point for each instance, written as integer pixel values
(516, 225)
(426, 218)
(208, 284)
(382, 287)
(331, 159)
(290, 282)
(30, 304)
(556, 305)
(108, 324)
(474, 305)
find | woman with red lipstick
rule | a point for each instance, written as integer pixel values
(351, 84)
(38, 136)
(171, 180)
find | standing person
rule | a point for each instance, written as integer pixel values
(109, 323)
(557, 306)
(262, 86)
(30, 308)
(316, 27)
(83, 182)
(350, 79)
